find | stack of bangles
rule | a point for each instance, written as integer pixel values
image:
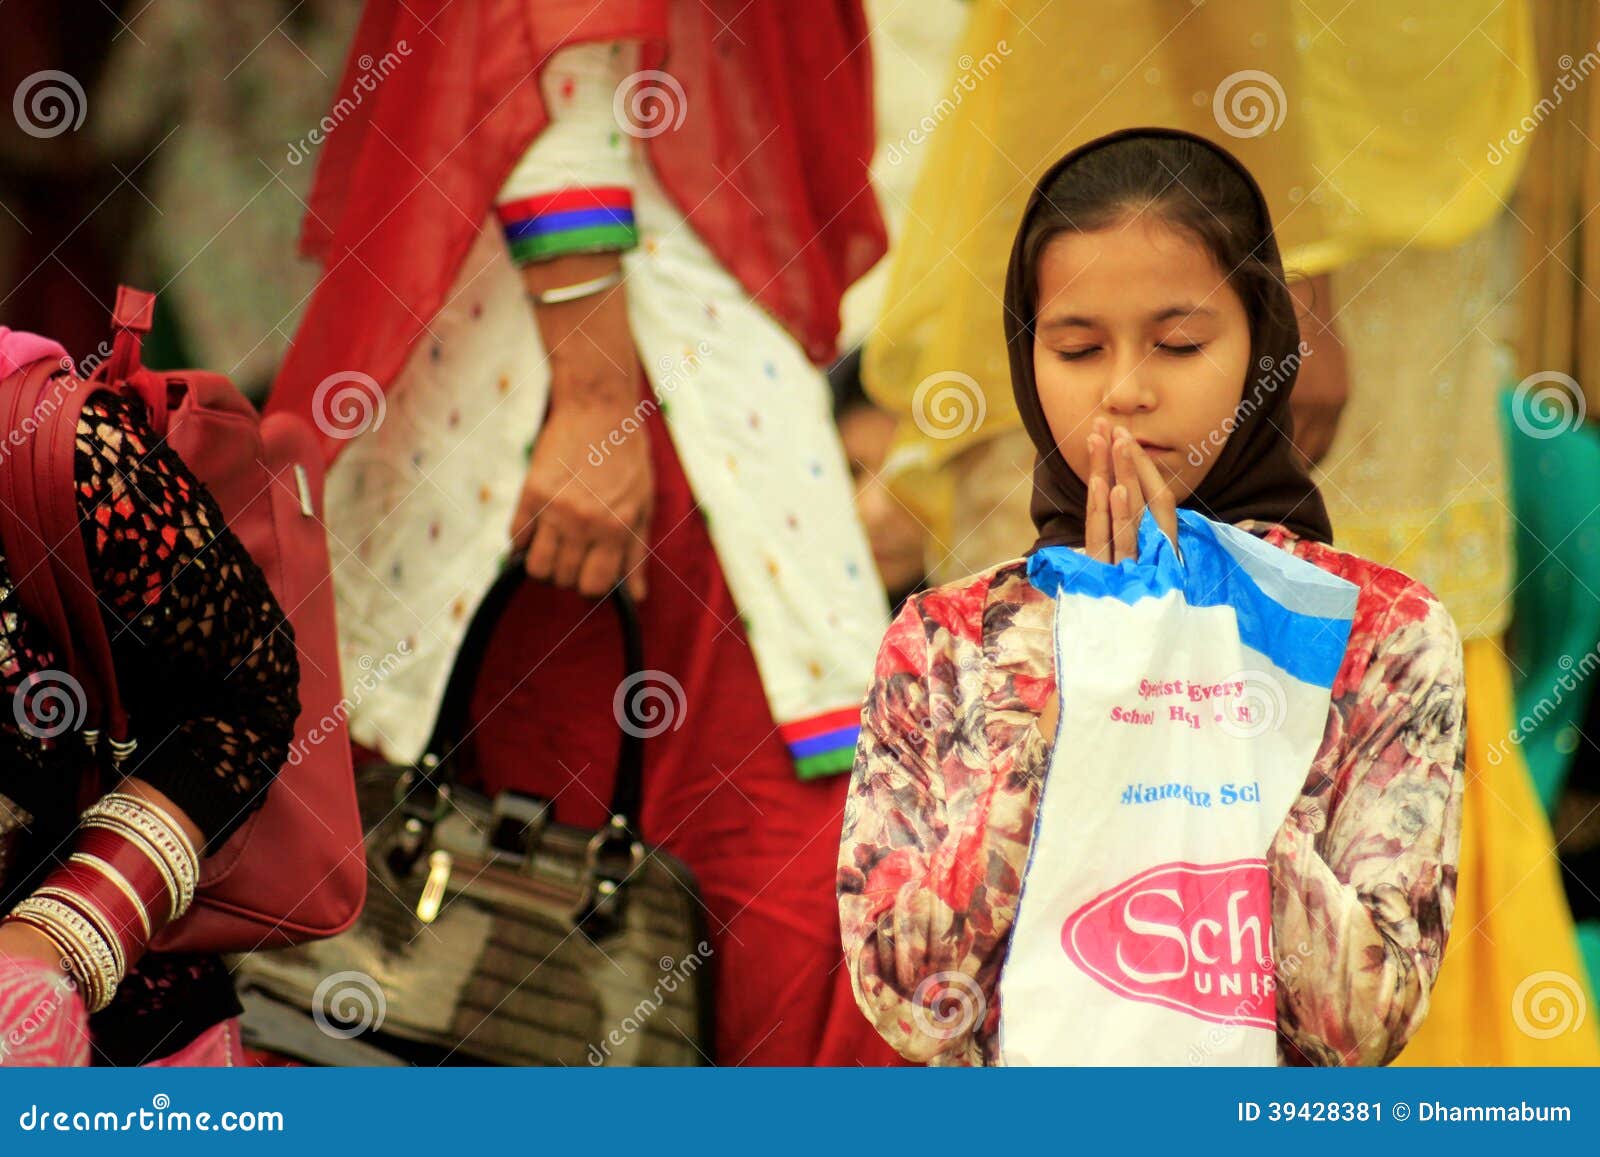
(133, 872)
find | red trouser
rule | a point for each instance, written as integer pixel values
(720, 791)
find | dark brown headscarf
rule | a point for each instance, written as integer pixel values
(1258, 473)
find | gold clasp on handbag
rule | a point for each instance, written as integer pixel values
(440, 863)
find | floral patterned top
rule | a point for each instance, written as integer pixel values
(947, 780)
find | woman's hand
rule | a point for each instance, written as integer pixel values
(584, 512)
(1122, 482)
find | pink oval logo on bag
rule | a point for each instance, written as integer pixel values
(1194, 937)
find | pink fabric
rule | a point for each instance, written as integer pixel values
(43, 1023)
(18, 349)
(218, 1047)
(42, 1018)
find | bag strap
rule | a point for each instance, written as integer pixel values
(42, 536)
(131, 318)
(451, 729)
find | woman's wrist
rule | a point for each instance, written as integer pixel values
(587, 340)
(22, 942)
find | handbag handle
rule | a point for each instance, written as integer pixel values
(450, 730)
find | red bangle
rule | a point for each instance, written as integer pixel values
(128, 857)
(90, 889)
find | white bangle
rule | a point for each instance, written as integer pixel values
(578, 290)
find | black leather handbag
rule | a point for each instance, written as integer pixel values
(491, 934)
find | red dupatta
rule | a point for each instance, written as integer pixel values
(440, 99)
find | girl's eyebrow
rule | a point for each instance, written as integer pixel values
(1078, 321)
(1184, 310)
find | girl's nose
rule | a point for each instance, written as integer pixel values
(1130, 390)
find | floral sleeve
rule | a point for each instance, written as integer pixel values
(1363, 871)
(205, 658)
(933, 839)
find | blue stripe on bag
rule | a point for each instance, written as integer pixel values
(1292, 612)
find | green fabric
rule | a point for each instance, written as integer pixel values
(825, 763)
(1589, 944)
(595, 239)
(1555, 495)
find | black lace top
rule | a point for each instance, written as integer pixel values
(207, 670)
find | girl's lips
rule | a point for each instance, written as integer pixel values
(1152, 447)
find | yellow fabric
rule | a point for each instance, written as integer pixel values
(1416, 476)
(1409, 106)
(1376, 118)
(1512, 981)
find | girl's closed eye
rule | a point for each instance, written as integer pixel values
(1182, 350)
(1078, 355)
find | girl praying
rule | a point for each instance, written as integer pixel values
(1153, 347)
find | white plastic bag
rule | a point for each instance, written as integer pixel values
(1194, 695)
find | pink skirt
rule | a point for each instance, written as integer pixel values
(43, 1022)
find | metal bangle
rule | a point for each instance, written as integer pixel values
(103, 925)
(577, 290)
(135, 837)
(118, 881)
(142, 804)
(93, 959)
(171, 848)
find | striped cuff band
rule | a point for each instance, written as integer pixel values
(570, 221)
